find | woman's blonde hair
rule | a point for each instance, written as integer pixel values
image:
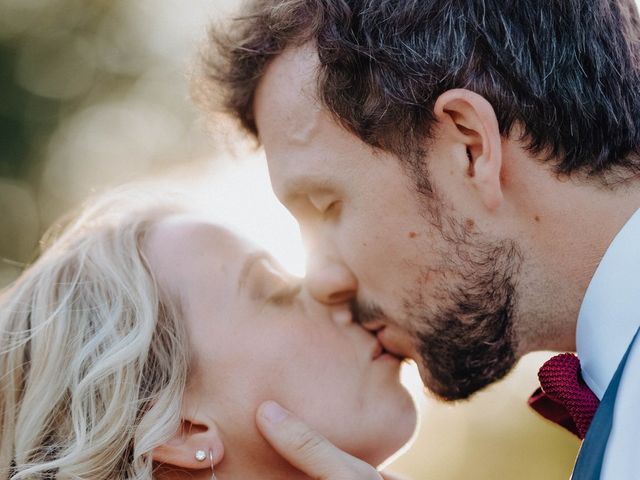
(93, 362)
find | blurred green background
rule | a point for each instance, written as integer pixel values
(95, 93)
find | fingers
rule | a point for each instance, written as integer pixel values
(307, 450)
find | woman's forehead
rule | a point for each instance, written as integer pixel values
(181, 248)
(179, 234)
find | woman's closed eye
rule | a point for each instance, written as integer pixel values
(270, 284)
(286, 295)
(282, 288)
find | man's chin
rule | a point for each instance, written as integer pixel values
(453, 390)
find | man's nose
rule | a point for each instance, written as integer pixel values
(331, 282)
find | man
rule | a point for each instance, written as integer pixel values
(466, 174)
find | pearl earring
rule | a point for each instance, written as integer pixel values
(201, 455)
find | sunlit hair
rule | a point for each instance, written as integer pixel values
(563, 76)
(93, 363)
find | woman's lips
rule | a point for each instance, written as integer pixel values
(377, 351)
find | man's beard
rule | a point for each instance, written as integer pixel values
(465, 334)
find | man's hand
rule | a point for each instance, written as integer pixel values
(307, 450)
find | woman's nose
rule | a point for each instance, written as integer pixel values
(331, 282)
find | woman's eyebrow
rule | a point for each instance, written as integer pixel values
(249, 262)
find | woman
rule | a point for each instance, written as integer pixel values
(142, 341)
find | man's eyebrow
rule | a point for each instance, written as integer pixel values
(249, 262)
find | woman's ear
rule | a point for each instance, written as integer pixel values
(184, 449)
(473, 123)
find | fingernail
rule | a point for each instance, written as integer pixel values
(273, 412)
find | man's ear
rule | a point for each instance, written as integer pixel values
(472, 121)
(193, 435)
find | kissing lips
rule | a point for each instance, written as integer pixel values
(391, 345)
(380, 353)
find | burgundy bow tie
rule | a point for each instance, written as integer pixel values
(564, 397)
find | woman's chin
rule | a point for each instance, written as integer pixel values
(393, 440)
(396, 446)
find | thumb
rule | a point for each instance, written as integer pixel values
(306, 449)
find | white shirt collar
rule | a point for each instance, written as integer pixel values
(610, 312)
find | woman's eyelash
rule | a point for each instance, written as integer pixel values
(285, 297)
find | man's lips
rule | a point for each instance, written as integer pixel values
(388, 345)
(378, 325)
(379, 350)
(373, 325)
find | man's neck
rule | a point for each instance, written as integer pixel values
(577, 224)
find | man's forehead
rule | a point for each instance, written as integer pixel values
(307, 149)
(285, 103)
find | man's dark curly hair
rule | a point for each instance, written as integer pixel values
(566, 71)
